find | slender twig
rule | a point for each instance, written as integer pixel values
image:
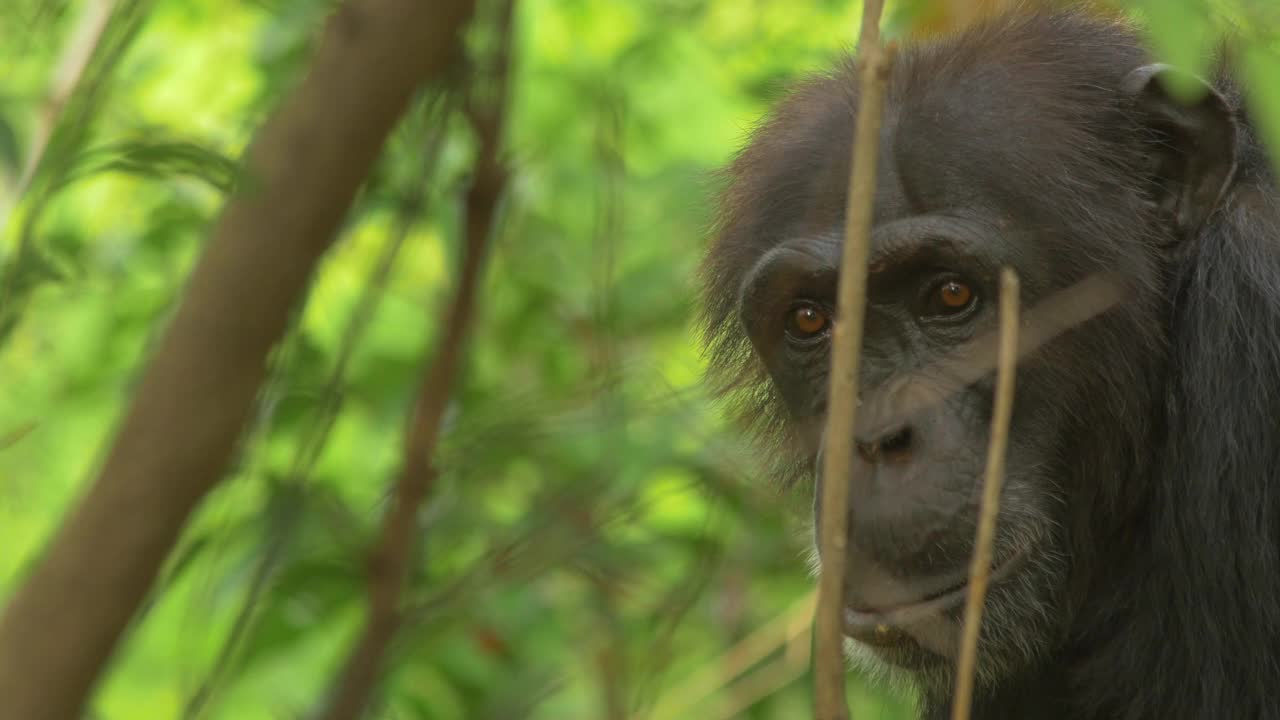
(720, 672)
(277, 533)
(609, 667)
(1043, 322)
(829, 673)
(761, 684)
(980, 570)
(13, 437)
(391, 559)
(199, 389)
(84, 40)
(69, 75)
(307, 453)
(412, 208)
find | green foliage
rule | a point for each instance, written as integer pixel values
(597, 531)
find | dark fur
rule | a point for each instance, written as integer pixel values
(1167, 451)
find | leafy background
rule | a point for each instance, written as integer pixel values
(600, 543)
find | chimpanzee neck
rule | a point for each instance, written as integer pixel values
(1042, 695)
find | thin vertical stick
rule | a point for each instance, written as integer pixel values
(829, 672)
(992, 484)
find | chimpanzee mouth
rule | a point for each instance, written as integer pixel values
(877, 626)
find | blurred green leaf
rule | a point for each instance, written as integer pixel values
(156, 158)
(10, 146)
(1261, 63)
(1181, 35)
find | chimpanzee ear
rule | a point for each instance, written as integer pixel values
(1193, 145)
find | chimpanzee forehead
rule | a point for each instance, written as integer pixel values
(1008, 128)
(1023, 123)
(1002, 118)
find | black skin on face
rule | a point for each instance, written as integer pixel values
(1138, 547)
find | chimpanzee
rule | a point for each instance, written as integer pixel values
(1137, 561)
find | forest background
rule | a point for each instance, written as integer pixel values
(599, 543)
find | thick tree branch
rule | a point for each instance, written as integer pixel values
(392, 556)
(829, 671)
(303, 170)
(980, 569)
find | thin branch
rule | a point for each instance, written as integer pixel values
(15, 436)
(719, 673)
(391, 559)
(1046, 320)
(761, 684)
(980, 570)
(63, 120)
(305, 166)
(608, 663)
(278, 533)
(412, 208)
(829, 671)
(81, 46)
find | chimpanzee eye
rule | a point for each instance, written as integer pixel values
(949, 297)
(807, 321)
(955, 295)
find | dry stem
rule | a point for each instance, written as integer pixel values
(761, 684)
(392, 556)
(84, 41)
(1041, 323)
(721, 672)
(829, 673)
(199, 389)
(980, 569)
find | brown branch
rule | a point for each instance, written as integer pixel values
(980, 569)
(17, 435)
(732, 663)
(411, 208)
(82, 44)
(760, 685)
(829, 672)
(305, 166)
(392, 555)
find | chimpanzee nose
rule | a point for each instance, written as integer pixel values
(888, 447)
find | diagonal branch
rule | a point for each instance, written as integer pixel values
(829, 673)
(392, 556)
(305, 166)
(718, 674)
